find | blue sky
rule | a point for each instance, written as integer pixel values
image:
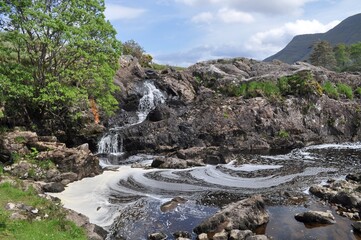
(183, 32)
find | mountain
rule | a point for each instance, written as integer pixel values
(300, 48)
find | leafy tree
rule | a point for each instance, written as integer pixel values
(133, 48)
(355, 55)
(342, 56)
(55, 56)
(322, 55)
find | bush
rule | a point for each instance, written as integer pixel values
(358, 91)
(346, 90)
(330, 90)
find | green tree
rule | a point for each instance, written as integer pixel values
(54, 57)
(322, 55)
(133, 48)
(342, 56)
(355, 55)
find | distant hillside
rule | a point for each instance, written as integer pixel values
(300, 48)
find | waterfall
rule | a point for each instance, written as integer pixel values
(112, 141)
(152, 97)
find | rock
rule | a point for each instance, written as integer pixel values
(168, 162)
(220, 236)
(354, 177)
(238, 234)
(54, 187)
(157, 236)
(203, 110)
(246, 214)
(182, 234)
(315, 217)
(10, 206)
(18, 216)
(203, 236)
(172, 204)
(357, 226)
(257, 237)
(94, 232)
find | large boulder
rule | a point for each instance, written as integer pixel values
(246, 214)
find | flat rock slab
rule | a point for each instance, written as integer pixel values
(315, 217)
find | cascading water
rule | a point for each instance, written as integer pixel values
(112, 142)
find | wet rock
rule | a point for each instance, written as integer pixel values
(315, 217)
(357, 226)
(175, 163)
(257, 237)
(54, 187)
(182, 234)
(160, 113)
(172, 204)
(244, 215)
(354, 177)
(157, 236)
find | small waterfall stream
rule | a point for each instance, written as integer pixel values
(112, 142)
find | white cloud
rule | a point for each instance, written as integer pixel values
(204, 17)
(234, 16)
(273, 40)
(118, 12)
(260, 6)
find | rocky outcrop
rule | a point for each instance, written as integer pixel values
(315, 217)
(246, 214)
(44, 158)
(345, 194)
(201, 119)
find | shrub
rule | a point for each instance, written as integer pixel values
(330, 90)
(358, 91)
(283, 134)
(346, 90)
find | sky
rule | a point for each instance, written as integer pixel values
(183, 32)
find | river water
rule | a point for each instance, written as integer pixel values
(128, 198)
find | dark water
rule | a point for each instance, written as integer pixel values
(127, 201)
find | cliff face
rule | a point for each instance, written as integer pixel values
(300, 48)
(199, 120)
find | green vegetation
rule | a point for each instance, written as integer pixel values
(323, 55)
(346, 90)
(358, 91)
(56, 56)
(283, 134)
(340, 58)
(330, 90)
(52, 225)
(300, 84)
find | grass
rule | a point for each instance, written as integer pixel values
(54, 227)
(346, 90)
(283, 134)
(330, 90)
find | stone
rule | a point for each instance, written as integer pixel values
(54, 187)
(202, 236)
(357, 226)
(236, 234)
(246, 214)
(220, 236)
(172, 204)
(182, 234)
(257, 237)
(316, 217)
(354, 177)
(157, 236)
